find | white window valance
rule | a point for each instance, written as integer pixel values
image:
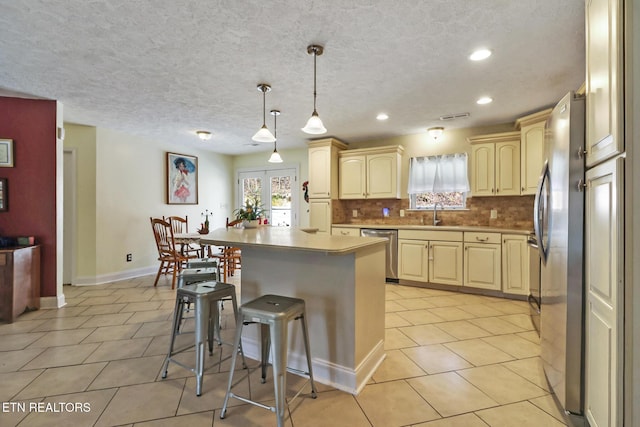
(438, 174)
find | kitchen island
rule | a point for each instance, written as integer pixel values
(342, 281)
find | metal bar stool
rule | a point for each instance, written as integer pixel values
(204, 263)
(273, 313)
(205, 296)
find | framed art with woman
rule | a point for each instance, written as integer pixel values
(182, 179)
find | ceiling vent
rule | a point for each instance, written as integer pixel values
(454, 116)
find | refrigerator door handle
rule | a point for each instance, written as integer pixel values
(539, 212)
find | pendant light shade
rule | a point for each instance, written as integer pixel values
(314, 125)
(275, 156)
(264, 135)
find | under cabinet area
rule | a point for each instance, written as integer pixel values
(372, 173)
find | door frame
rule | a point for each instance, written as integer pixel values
(295, 196)
(70, 187)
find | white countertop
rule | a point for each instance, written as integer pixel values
(288, 239)
(484, 229)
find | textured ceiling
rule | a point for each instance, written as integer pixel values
(163, 69)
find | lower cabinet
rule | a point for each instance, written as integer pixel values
(515, 264)
(482, 261)
(445, 263)
(412, 260)
(430, 261)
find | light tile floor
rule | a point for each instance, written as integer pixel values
(452, 360)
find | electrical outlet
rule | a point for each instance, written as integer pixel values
(354, 213)
(129, 257)
(401, 212)
(494, 214)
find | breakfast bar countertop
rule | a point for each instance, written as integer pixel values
(288, 239)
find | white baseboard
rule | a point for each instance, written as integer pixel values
(114, 277)
(341, 377)
(52, 302)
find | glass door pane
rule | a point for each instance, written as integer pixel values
(281, 207)
(274, 190)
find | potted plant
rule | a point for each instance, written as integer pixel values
(250, 213)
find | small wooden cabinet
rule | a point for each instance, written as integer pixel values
(495, 164)
(531, 149)
(372, 173)
(482, 260)
(515, 264)
(19, 281)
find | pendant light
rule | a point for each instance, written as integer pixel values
(275, 156)
(263, 135)
(314, 126)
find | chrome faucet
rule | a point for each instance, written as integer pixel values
(435, 214)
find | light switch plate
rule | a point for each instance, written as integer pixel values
(494, 213)
(401, 212)
(354, 213)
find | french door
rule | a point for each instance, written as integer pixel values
(274, 191)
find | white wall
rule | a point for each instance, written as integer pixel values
(130, 187)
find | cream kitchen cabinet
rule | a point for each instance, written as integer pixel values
(430, 256)
(320, 215)
(323, 168)
(342, 231)
(482, 260)
(531, 149)
(515, 264)
(604, 82)
(412, 260)
(371, 173)
(495, 164)
(605, 300)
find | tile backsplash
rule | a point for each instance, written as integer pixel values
(514, 212)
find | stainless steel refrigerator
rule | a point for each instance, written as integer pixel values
(559, 228)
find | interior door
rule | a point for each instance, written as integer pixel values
(274, 190)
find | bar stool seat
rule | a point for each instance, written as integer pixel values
(273, 313)
(205, 297)
(204, 263)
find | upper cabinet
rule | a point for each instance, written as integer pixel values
(323, 168)
(495, 164)
(531, 149)
(604, 54)
(371, 173)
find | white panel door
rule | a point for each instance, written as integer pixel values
(604, 256)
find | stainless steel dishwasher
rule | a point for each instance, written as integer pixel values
(391, 252)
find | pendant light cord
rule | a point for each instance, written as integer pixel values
(315, 54)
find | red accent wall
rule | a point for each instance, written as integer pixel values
(31, 183)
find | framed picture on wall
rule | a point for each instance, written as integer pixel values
(182, 179)
(4, 197)
(6, 153)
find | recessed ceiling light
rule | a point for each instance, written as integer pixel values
(382, 116)
(484, 100)
(203, 135)
(480, 54)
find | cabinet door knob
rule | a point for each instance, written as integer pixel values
(522, 188)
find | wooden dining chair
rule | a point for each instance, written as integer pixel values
(181, 225)
(171, 260)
